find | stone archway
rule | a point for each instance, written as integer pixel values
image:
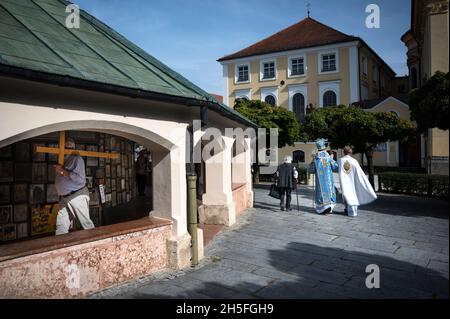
(165, 138)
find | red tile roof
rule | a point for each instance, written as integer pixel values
(217, 97)
(306, 33)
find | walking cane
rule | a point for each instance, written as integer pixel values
(296, 193)
(314, 192)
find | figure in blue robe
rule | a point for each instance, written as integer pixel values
(323, 166)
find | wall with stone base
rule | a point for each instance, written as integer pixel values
(78, 270)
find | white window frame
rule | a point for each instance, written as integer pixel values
(269, 91)
(294, 89)
(321, 54)
(261, 69)
(236, 73)
(239, 94)
(329, 86)
(305, 65)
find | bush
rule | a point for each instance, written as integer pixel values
(414, 184)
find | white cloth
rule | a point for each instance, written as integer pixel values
(76, 205)
(355, 186)
(322, 209)
(352, 211)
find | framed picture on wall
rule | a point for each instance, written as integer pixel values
(22, 152)
(108, 171)
(39, 173)
(20, 213)
(6, 171)
(114, 199)
(108, 185)
(43, 219)
(95, 215)
(92, 161)
(38, 157)
(6, 152)
(22, 230)
(8, 232)
(5, 194)
(114, 144)
(51, 173)
(100, 173)
(37, 193)
(22, 172)
(113, 171)
(20, 193)
(6, 214)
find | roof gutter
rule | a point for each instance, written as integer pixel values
(61, 80)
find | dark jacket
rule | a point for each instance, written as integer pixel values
(286, 175)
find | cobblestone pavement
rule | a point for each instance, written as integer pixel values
(270, 253)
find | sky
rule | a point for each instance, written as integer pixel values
(190, 35)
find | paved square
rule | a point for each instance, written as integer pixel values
(275, 254)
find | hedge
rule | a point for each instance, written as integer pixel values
(414, 184)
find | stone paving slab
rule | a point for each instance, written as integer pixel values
(270, 253)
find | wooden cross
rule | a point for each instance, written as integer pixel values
(62, 151)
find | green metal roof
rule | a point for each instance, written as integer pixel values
(33, 36)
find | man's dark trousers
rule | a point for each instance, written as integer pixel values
(285, 193)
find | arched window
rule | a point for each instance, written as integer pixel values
(413, 78)
(270, 99)
(329, 98)
(298, 156)
(298, 105)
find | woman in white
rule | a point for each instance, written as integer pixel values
(355, 187)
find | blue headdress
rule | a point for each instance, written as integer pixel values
(321, 144)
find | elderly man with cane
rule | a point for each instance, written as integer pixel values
(287, 181)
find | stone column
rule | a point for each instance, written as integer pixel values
(169, 201)
(241, 169)
(218, 206)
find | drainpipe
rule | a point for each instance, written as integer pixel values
(191, 181)
(191, 177)
(192, 214)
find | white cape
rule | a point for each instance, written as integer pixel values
(355, 186)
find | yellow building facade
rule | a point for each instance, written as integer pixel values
(330, 69)
(427, 43)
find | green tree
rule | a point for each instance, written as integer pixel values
(429, 104)
(268, 116)
(351, 125)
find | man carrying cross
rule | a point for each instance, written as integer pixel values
(70, 182)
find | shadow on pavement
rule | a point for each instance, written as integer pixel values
(303, 271)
